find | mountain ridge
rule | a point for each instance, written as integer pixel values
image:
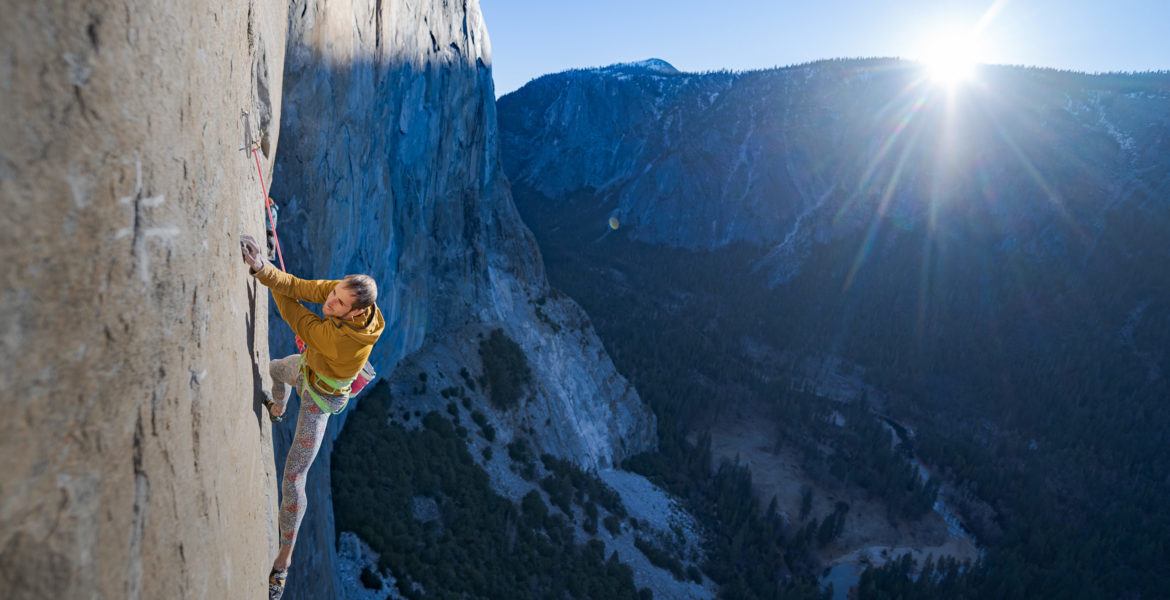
(975, 260)
(771, 175)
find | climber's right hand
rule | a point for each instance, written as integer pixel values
(253, 257)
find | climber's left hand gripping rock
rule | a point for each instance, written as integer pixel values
(253, 257)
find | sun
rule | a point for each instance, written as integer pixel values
(950, 58)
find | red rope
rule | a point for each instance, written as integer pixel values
(268, 207)
(272, 222)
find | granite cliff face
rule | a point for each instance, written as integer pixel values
(389, 165)
(392, 167)
(135, 460)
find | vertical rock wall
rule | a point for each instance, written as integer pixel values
(389, 164)
(135, 461)
(391, 161)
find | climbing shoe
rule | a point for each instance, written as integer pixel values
(269, 404)
(276, 583)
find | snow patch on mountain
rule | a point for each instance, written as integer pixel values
(655, 65)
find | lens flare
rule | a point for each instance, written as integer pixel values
(950, 58)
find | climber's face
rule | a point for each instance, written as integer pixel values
(339, 304)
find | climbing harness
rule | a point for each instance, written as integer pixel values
(336, 387)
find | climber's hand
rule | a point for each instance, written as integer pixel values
(253, 257)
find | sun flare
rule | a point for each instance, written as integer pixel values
(951, 58)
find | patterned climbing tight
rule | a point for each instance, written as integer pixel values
(311, 424)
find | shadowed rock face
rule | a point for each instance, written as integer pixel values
(389, 165)
(135, 462)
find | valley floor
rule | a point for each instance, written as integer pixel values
(870, 537)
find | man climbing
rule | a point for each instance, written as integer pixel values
(337, 347)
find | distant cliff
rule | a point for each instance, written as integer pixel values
(881, 208)
(390, 164)
(985, 264)
(136, 461)
(788, 158)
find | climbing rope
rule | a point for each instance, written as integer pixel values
(271, 221)
(268, 205)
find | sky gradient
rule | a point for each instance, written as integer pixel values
(531, 38)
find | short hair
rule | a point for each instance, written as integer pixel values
(364, 289)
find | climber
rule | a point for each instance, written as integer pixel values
(337, 347)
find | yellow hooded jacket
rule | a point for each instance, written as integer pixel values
(335, 348)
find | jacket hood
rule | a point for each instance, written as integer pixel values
(364, 328)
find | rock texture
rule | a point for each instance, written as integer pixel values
(135, 461)
(389, 164)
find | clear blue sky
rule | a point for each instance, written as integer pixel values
(531, 38)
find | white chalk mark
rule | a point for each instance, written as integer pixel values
(161, 232)
(80, 186)
(140, 247)
(139, 232)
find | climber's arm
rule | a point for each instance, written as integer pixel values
(278, 281)
(305, 290)
(305, 323)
